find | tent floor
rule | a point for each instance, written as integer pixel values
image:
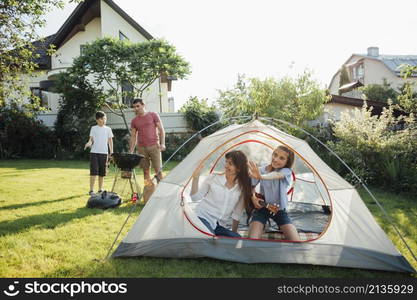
(278, 235)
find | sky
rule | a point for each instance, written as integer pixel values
(266, 38)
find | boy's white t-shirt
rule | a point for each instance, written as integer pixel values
(101, 135)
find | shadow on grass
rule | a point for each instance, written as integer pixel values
(126, 208)
(29, 164)
(17, 206)
(13, 174)
(45, 221)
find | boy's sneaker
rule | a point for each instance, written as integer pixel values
(100, 191)
(90, 193)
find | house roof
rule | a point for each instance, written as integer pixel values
(41, 47)
(84, 13)
(132, 22)
(355, 101)
(350, 86)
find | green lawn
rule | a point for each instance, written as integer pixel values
(46, 231)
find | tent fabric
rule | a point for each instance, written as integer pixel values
(250, 251)
(168, 226)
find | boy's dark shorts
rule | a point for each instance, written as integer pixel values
(262, 215)
(98, 163)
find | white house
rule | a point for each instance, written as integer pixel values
(90, 20)
(373, 68)
(364, 69)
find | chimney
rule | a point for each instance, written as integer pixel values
(373, 51)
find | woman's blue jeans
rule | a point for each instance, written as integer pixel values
(219, 230)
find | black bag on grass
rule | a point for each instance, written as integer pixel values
(104, 200)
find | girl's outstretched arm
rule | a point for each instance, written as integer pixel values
(272, 176)
(254, 173)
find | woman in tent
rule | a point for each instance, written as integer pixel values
(274, 179)
(223, 196)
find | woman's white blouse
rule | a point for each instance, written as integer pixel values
(218, 203)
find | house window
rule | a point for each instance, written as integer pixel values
(122, 37)
(38, 95)
(357, 72)
(127, 93)
(82, 48)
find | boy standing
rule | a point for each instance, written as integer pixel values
(148, 132)
(101, 141)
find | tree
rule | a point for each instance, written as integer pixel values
(344, 76)
(107, 64)
(236, 101)
(76, 114)
(294, 100)
(380, 92)
(19, 21)
(199, 114)
(407, 100)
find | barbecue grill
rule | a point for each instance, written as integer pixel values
(125, 166)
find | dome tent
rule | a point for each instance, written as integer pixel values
(348, 237)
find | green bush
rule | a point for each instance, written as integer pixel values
(379, 149)
(357, 160)
(399, 172)
(23, 136)
(380, 92)
(174, 140)
(199, 115)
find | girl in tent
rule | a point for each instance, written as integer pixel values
(223, 196)
(274, 179)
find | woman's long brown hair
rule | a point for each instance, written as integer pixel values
(240, 161)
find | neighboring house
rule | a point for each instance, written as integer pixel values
(90, 20)
(364, 69)
(372, 68)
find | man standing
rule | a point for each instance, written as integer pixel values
(148, 132)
